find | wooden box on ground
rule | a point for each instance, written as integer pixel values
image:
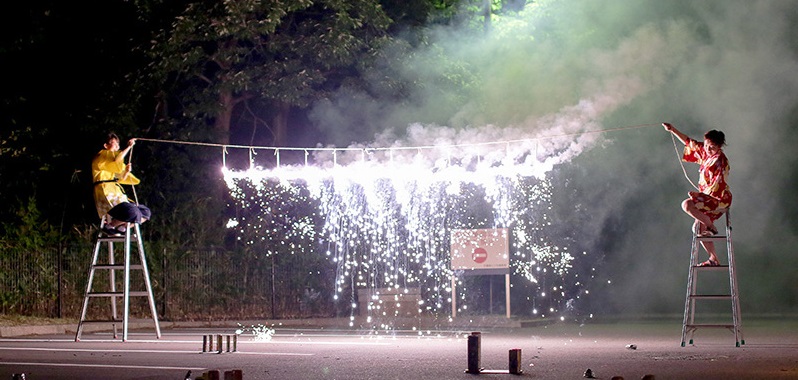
(389, 302)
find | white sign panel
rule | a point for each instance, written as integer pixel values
(480, 249)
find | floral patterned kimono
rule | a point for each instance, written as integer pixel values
(715, 196)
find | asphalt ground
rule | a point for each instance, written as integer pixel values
(555, 351)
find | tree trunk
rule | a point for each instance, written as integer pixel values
(281, 124)
(223, 117)
(487, 9)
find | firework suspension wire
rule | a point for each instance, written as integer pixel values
(390, 150)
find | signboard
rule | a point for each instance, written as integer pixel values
(483, 250)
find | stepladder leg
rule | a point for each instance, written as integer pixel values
(84, 309)
(147, 283)
(112, 285)
(688, 301)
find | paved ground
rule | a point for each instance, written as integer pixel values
(558, 351)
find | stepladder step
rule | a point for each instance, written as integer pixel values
(710, 325)
(119, 294)
(711, 296)
(103, 321)
(117, 266)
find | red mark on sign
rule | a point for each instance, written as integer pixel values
(480, 255)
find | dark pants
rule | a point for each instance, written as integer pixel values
(130, 212)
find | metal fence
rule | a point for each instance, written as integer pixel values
(188, 284)
(196, 284)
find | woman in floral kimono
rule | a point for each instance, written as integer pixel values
(713, 197)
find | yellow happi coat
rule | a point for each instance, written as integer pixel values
(104, 167)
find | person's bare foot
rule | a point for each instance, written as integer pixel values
(709, 263)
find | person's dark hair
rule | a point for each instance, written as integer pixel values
(111, 136)
(717, 137)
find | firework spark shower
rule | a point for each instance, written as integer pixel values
(385, 215)
(390, 229)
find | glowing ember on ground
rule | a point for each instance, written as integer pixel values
(259, 332)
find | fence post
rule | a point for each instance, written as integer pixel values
(60, 296)
(274, 315)
(164, 270)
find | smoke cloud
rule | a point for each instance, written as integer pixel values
(560, 68)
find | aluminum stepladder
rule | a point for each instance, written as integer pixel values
(133, 232)
(688, 325)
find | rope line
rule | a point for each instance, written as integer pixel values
(130, 160)
(307, 149)
(681, 163)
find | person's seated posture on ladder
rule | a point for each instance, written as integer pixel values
(109, 172)
(713, 197)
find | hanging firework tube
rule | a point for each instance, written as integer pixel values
(252, 158)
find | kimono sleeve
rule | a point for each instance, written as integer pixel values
(129, 180)
(693, 151)
(107, 162)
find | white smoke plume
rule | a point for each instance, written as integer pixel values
(562, 68)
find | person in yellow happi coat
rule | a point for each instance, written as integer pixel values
(109, 172)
